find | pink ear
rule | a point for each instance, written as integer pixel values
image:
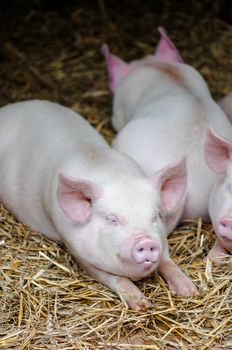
(166, 50)
(171, 180)
(75, 198)
(117, 68)
(217, 152)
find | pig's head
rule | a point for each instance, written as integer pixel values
(120, 227)
(218, 153)
(127, 81)
(119, 69)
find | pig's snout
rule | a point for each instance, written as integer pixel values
(146, 252)
(225, 228)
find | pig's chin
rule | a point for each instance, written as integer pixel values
(138, 275)
(136, 271)
(226, 243)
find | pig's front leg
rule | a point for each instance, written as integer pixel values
(177, 281)
(217, 253)
(122, 286)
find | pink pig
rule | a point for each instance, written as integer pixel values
(226, 104)
(59, 176)
(218, 154)
(162, 109)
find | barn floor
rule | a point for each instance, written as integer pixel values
(51, 50)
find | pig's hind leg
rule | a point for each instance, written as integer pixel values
(122, 286)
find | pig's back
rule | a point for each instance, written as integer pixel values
(172, 128)
(161, 132)
(44, 119)
(35, 137)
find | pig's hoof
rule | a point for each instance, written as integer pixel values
(184, 287)
(139, 304)
(217, 254)
(217, 260)
(188, 291)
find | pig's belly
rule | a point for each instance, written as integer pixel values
(35, 219)
(24, 206)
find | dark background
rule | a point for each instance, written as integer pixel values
(51, 49)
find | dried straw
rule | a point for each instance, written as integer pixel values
(46, 300)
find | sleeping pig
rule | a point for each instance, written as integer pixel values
(59, 176)
(218, 154)
(226, 104)
(162, 109)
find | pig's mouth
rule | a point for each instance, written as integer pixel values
(136, 271)
(224, 231)
(226, 242)
(139, 258)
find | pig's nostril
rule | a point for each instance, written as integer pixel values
(145, 250)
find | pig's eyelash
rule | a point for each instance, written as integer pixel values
(164, 217)
(229, 187)
(156, 217)
(112, 219)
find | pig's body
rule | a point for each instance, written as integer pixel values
(37, 140)
(218, 154)
(163, 110)
(59, 176)
(226, 104)
(166, 119)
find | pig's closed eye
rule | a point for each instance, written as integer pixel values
(156, 218)
(229, 188)
(113, 220)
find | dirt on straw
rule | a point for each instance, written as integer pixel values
(51, 50)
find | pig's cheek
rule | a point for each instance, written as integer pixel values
(159, 228)
(88, 248)
(105, 239)
(97, 250)
(92, 243)
(107, 245)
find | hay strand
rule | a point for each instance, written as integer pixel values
(46, 300)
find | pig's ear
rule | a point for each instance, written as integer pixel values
(117, 68)
(217, 152)
(171, 181)
(76, 197)
(166, 50)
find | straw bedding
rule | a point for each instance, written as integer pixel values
(46, 300)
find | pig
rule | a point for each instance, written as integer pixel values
(226, 104)
(218, 152)
(60, 177)
(162, 109)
